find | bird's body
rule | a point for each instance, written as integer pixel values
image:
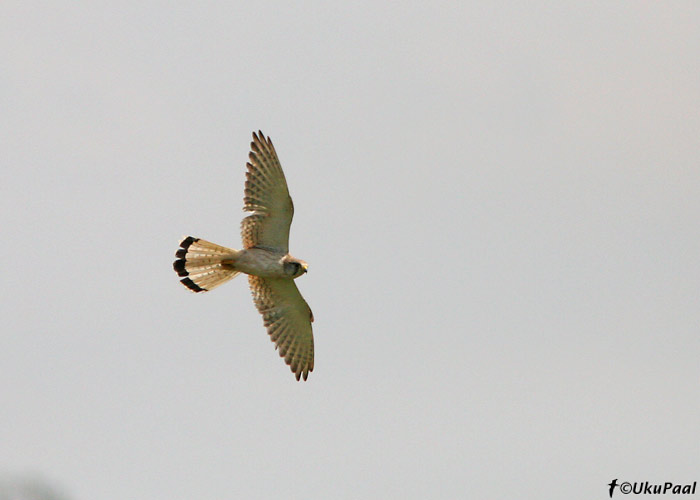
(265, 263)
(265, 259)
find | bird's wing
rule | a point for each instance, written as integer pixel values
(267, 196)
(288, 319)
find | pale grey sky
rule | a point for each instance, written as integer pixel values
(499, 203)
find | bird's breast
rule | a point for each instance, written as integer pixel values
(260, 262)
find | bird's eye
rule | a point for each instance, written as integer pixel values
(293, 268)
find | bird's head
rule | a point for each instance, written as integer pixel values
(294, 267)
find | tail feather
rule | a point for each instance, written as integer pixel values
(203, 265)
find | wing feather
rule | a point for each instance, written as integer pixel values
(267, 196)
(287, 317)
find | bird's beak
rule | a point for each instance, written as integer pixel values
(306, 267)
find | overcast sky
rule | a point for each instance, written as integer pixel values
(499, 203)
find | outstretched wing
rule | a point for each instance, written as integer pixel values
(267, 196)
(288, 318)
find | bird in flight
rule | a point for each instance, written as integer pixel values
(265, 258)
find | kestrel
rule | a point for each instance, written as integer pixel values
(265, 259)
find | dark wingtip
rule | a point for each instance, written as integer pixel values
(179, 267)
(192, 285)
(265, 140)
(180, 254)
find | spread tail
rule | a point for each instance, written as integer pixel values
(203, 265)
